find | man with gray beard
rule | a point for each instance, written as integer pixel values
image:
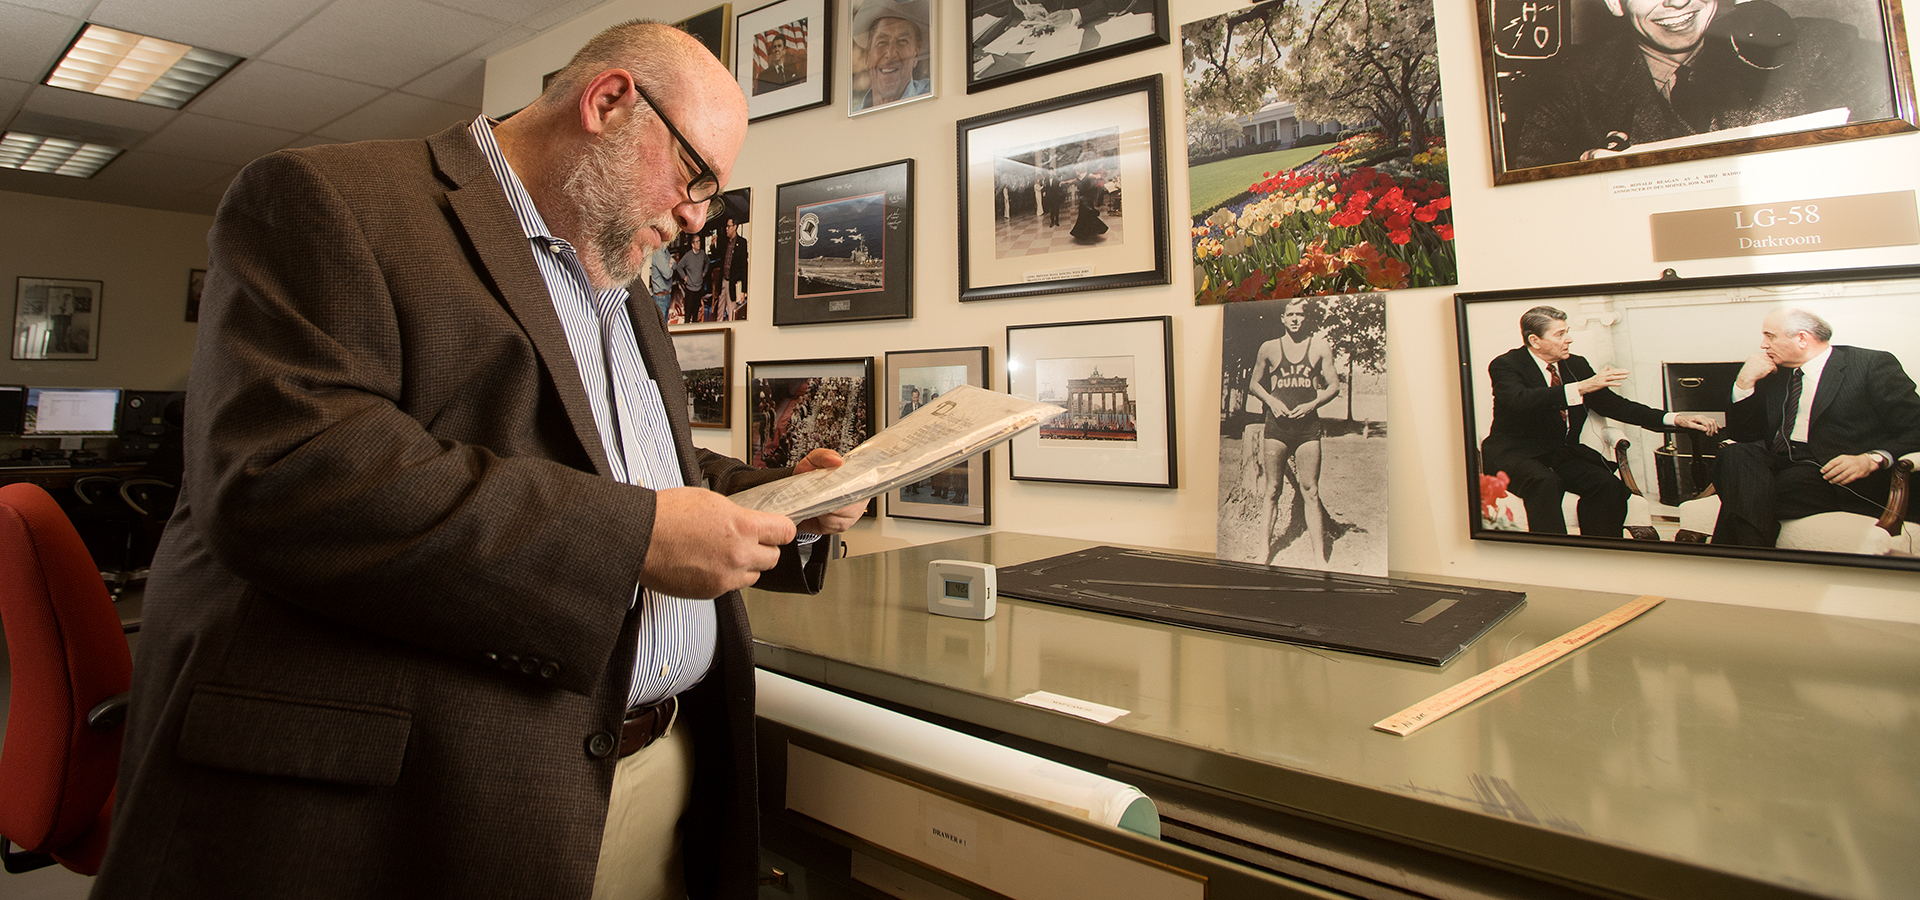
(449, 605)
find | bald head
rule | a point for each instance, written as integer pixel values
(610, 150)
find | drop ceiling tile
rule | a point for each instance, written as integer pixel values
(398, 116)
(135, 169)
(460, 82)
(113, 114)
(214, 24)
(382, 42)
(566, 12)
(31, 39)
(74, 8)
(12, 93)
(217, 140)
(278, 97)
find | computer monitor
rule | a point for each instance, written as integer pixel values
(13, 408)
(71, 412)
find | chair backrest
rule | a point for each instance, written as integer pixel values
(68, 654)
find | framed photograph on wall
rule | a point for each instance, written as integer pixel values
(893, 52)
(711, 28)
(1115, 379)
(795, 405)
(706, 360)
(1013, 40)
(914, 379)
(1604, 85)
(196, 282)
(1068, 194)
(1751, 485)
(702, 277)
(56, 318)
(783, 57)
(843, 246)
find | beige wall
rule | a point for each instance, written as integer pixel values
(140, 256)
(1562, 231)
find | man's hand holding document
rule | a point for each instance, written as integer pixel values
(963, 423)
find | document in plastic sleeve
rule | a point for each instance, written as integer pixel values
(965, 422)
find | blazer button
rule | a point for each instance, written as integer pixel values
(508, 661)
(550, 670)
(600, 745)
(491, 657)
(529, 666)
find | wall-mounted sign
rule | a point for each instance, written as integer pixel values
(1788, 226)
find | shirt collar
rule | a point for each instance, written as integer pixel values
(1811, 369)
(528, 215)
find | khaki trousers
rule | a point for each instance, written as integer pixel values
(640, 851)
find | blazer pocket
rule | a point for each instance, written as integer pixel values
(295, 737)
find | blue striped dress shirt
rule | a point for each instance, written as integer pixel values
(677, 635)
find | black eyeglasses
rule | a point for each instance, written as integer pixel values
(704, 187)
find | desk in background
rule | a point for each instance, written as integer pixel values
(1703, 750)
(57, 479)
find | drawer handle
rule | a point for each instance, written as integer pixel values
(1692, 382)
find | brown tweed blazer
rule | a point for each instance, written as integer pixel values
(391, 613)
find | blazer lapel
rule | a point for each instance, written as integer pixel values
(1833, 383)
(480, 204)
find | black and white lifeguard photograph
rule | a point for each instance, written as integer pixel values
(1303, 434)
(1598, 85)
(1057, 195)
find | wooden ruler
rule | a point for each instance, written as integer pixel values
(1414, 717)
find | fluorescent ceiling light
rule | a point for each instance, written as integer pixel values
(135, 67)
(35, 153)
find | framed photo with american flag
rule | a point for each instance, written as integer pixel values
(783, 57)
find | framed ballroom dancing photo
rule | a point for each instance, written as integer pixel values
(1068, 194)
(783, 57)
(843, 246)
(711, 28)
(1013, 40)
(1115, 379)
(706, 361)
(56, 318)
(702, 276)
(795, 405)
(1753, 416)
(1602, 85)
(893, 52)
(914, 379)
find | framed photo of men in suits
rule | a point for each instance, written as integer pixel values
(1601, 85)
(1753, 416)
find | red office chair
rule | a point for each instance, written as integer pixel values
(71, 670)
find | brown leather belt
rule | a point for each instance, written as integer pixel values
(644, 725)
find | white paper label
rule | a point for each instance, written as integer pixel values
(1085, 709)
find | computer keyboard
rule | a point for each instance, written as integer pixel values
(34, 463)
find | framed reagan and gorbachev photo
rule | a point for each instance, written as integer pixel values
(915, 378)
(1587, 86)
(783, 57)
(706, 361)
(1114, 377)
(1065, 194)
(1014, 40)
(893, 53)
(1767, 416)
(56, 318)
(843, 246)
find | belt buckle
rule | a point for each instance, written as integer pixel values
(641, 728)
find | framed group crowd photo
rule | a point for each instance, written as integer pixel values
(795, 405)
(1067, 194)
(1601, 85)
(706, 361)
(1691, 436)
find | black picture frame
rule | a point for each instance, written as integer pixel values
(56, 318)
(706, 362)
(806, 25)
(1095, 441)
(963, 493)
(795, 405)
(711, 29)
(1539, 115)
(1007, 46)
(1102, 152)
(827, 232)
(1683, 342)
